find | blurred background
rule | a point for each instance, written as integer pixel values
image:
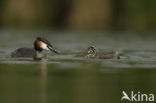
(127, 26)
(79, 14)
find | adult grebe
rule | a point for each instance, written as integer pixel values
(92, 53)
(40, 44)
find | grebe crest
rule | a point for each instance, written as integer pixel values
(40, 44)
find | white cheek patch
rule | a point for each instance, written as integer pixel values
(44, 46)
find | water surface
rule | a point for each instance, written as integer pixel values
(71, 78)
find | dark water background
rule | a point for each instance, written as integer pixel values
(69, 77)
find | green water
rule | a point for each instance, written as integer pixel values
(71, 78)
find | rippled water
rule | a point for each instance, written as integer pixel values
(71, 78)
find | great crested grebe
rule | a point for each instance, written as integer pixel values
(92, 53)
(40, 44)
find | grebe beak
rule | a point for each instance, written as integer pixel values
(45, 44)
(53, 50)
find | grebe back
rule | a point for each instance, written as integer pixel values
(92, 53)
(40, 44)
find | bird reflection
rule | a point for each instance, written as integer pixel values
(43, 80)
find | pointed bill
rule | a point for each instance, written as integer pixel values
(53, 50)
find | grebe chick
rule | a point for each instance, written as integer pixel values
(92, 53)
(40, 44)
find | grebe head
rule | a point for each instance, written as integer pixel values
(43, 44)
(91, 50)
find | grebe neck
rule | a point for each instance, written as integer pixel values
(39, 55)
